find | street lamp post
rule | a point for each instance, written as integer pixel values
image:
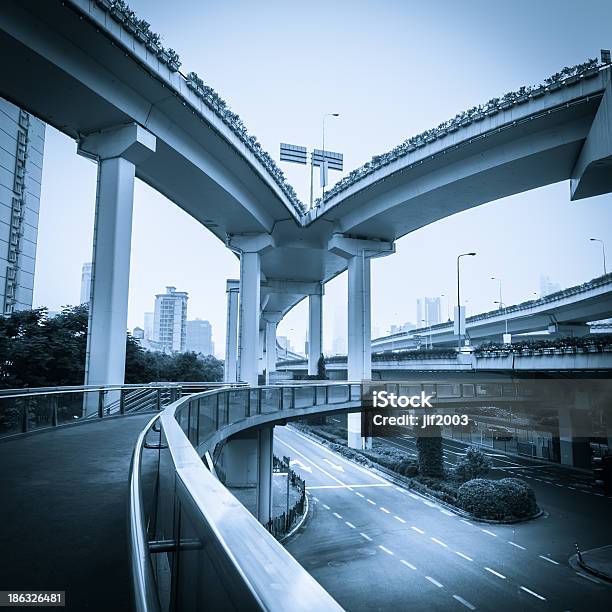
(323, 147)
(501, 302)
(603, 252)
(459, 298)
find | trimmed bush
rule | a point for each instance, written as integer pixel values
(508, 498)
(474, 464)
(429, 447)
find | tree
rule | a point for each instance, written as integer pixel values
(429, 448)
(321, 371)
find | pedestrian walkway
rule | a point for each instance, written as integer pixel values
(63, 514)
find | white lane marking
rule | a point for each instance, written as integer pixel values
(336, 467)
(371, 502)
(430, 504)
(389, 552)
(588, 577)
(464, 602)
(495, 573)
(298, 464)
(444, 511)
(414, 496)
(439, 542)
(397, 518)
(360, 494)
(384, 510)
(337, 515)
(599, 494)
(367, 537)
(533, 593)
(466, 522)
(336, 420)
(434, 581)
(548, 559)
(349, 486)
(417, 529)
(326, 506)
(315, 498)
(335, 456)
(350, 524)
(412, 567)
(463, 556)
(399, 489)
(489, 532)
(517, 545)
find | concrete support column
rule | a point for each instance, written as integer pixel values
(250, 247)
(315, 331)
(231, 332)
(272, 320)
(574, 432)
(264, 474)
(358, 253)
(117, 151)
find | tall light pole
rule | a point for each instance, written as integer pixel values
(323, 147)
(459, 298)
(502, 305)
(603, 252)
(500, 290)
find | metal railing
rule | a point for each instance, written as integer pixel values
(27, 410)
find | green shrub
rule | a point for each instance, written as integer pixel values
(508, 498)
(474, 464)
(429, 447)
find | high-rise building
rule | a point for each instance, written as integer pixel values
(22, 139)
(428, 311)
(170, 320)
(547, 286)
(199, 337)
(86, 283)
(149, 325)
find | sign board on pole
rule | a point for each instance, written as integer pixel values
(507, 338)
(334, 160)
(293, 153)
(459, 317)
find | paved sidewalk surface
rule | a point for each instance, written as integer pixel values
(63, 514)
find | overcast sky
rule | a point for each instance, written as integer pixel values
(391, 69)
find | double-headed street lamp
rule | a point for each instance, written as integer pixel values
(501, 302)
(603, 252)
(459, 298)
(323, 149)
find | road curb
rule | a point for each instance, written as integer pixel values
(400, 480)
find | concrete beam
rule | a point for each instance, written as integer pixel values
(290, 287)
(592, 172)
(131, 142)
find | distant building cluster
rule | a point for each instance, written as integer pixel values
(547, 286)
(428, 311)
(166, 329)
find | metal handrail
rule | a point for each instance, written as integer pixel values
(144, 590)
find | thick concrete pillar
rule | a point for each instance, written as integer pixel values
(250, 247)
(574, 435)
(272, 320)
(264, 474)
(231, 332)
(315, 331)
(117, 151)
(358, 253)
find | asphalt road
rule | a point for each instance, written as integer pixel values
(376, 546)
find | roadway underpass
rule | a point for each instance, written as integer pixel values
(374, 545)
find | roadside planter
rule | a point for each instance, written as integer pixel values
(538, 92)
(117, 13)
(590, 73)
(105, 5)
(555, 86)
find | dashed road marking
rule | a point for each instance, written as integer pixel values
(444, 511)
(495, 573)
(337, 515)
(533, 593)
(389, 552)
(315, 498)
(371, 502)
(548, 559)
(367, 537)
(434, 581)
(350, 524)
(384, 510)
(588, 577)
(412, 567)
(466, 522)
(439, 542)
(359, 494)
(464, 602)
(417, 529)
(397, 518)
(326, 506)
(516, 545)
(463, 556)
(489, 532)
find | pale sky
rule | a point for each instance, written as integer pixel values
(391, 69)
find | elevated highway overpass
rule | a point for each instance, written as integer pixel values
(565, 313)
(93, 77)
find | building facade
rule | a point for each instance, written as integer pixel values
(22, 140)
(199, 337)
(428, 311)
(86, 283)
(170, 319)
